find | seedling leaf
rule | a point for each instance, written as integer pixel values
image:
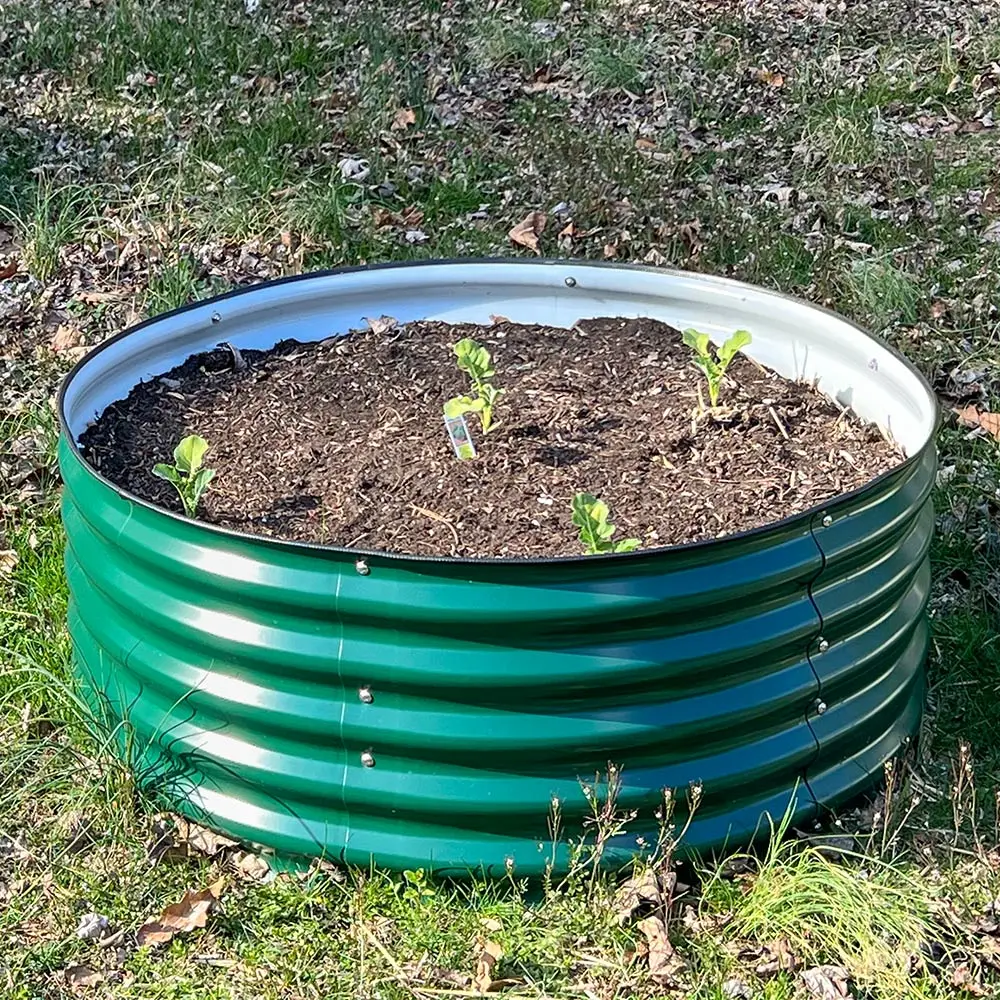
(591, 515)
(187, 476)
(714, 362)
(190, 453)
(475, 361)
(167, 472)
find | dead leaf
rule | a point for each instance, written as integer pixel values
(404, 118)
(80, 977)
(8, 560)
(528, 230)
(94, 298)
(253, 867)
(992, 232)
(384, 219)
(771, 78)
(488, 954)
(690, 233)
(65, 338)
(642, 143)
(777, 958)
(963, 978)
(646, 889)
(496, 320)
(180, 918)
(8, 270)
(381, 325)
(201, 838)
(829, 982)
(568, 231)
(973, 416)
(664, 962)
(412, 216)
(938, 309)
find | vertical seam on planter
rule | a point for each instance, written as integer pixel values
(343, 711)
(810, 585)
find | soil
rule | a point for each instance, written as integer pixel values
(343, 442)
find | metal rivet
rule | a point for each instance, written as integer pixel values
(820, 707)
(571, 282)
(823, 645)
(362, 567)
(216, 317)
(367, 759)
(365, 695)
(827, 521)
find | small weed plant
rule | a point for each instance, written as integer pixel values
(591, 515)
(714, 361)
(187, 474)
(475, 361)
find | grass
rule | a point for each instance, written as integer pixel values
(156, 152)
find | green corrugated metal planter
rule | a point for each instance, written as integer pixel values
(425, 712)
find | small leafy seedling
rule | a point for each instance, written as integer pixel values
(475, 361)
(591, 515)
(714, 361)
(189, 478)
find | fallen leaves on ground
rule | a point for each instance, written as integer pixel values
(527, 232)
(8, 270)
(647, 889)
(180, 918)
(404, 118)
(664, 962)
(488, 953)
(965, 979)
(736, 989)
(8, 560)
(828, 982)
(973, 416)
(92, 926)
(777, 957)
(81, 977)
(65, 339)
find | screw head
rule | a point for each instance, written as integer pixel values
(365, 695)
(823, 645)
(216, 317)
(820, 707)
(571, 282)
(827, 520)
(362, 567)
(367, 759)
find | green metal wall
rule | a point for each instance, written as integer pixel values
(425, 713)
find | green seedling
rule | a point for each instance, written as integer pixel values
(714, 361)
(475, 361)
(591, 515)
(187, 475)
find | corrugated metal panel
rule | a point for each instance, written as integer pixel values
(492, 687)
(871, 597)
(255, 676)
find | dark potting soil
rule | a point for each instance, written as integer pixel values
(343, 442)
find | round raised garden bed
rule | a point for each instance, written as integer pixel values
(424, 710)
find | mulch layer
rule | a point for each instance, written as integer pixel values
(343, 441)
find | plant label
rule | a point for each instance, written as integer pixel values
(458, 433)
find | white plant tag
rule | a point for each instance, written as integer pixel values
(458, 432)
